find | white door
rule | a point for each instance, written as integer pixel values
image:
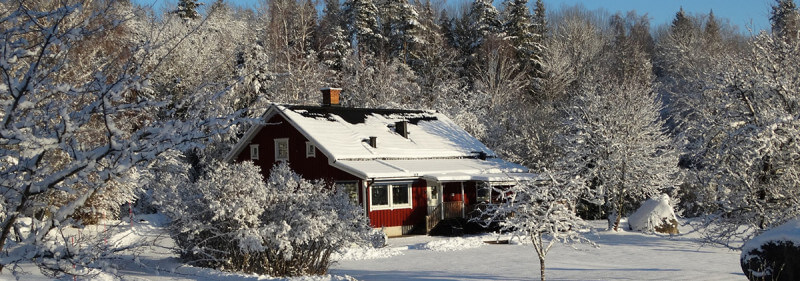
(434, 196)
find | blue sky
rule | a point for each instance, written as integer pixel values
(753, 14)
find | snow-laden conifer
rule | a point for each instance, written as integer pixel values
(361, 21)
(518, 26)
(482, 21)
(402, 28)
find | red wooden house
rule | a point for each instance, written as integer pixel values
(408, 169)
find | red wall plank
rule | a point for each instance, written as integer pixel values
(399, 217)
(309, 167)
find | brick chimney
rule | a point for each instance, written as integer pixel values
(330, 96)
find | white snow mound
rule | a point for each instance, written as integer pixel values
(356, 253)
(789, 232)
(652, 214)
(453, 244)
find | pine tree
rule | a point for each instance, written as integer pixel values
(336, 51)
(482, 21)
(631, 48)
(187, 9)
(540, 21)
(334, 45)
(432, 39)
(519, 28)
(682, 28)
(448, 29)
(361, 21)
(402, 28)
(712, 30)
(785, 20)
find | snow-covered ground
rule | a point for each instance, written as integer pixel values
(620, 256)
(624, 255)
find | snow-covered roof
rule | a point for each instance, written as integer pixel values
(344, 132)
(435, 145)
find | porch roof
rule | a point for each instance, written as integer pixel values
(457, 169)
(490, 177)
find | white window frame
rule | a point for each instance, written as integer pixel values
(253, 152)
(311, 150)
(391, 206)
(277, 144)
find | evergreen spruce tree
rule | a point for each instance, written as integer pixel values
(431, 38)
(187, 9)
(335, 53)
(361, 21)
(712, 27)
(713, 38)
(681, 28)
(518, 27)
(540, 21)
(448, 29)
(785, 20)
(401, 27)
(482, 20)
(334, 44)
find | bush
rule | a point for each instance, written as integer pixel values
(773, 255)
(231, 219)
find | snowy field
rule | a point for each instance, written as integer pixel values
(620, 256)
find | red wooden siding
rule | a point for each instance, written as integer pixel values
(399, 217)
(310, 168)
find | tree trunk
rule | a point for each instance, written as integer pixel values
(541, 266)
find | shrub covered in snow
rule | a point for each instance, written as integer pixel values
(774, 254)
(232, 220)
(655, 215)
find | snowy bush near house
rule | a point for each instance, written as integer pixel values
(232, 220)
(655, 215)
(774, 254)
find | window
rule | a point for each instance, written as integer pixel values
(281, 150)
(390, 196)
(484, 193)
(253, 152)
(351, 188)
(311, 150)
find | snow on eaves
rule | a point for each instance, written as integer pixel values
(437, 169)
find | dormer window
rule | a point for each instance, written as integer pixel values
(281, 150)
(253, 152)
